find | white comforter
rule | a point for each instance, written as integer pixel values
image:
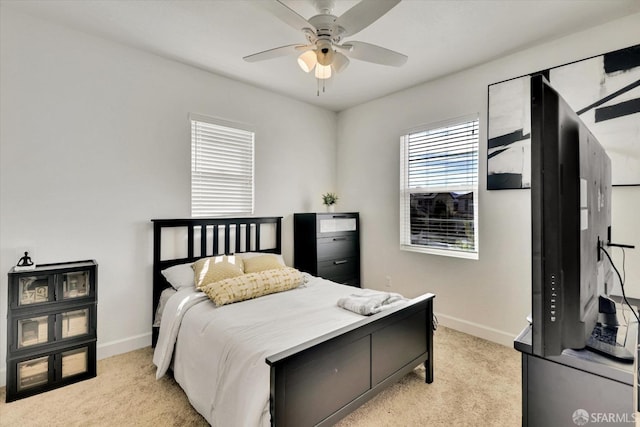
(220, 352)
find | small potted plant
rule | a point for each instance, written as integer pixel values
(329, 200)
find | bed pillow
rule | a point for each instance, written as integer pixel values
(248, 255)
(179, 276)
(262, 263)
(253, 285)
(214, 269)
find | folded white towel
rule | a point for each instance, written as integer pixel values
(368, 302)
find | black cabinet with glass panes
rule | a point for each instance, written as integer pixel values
(51, 327)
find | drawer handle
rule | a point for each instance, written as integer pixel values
(335, 239)
(343, 261)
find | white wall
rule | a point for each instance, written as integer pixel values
(95, 142)
(489, 297)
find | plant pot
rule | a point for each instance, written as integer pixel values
(331, 208)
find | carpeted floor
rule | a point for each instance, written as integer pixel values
(477, 383)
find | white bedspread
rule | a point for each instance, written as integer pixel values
(220, 352)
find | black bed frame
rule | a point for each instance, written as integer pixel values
(322, 380)
(208, 247)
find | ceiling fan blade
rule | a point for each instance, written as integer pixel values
(363, 14)
(276, 52)
(376, 54)
(286, 14)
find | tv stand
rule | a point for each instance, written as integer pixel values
(604, 338)
(616, 352)
(577, 383)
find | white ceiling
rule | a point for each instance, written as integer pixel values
(439, 36)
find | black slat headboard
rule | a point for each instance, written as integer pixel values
(208, 231)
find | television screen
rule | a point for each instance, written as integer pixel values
(571, 217)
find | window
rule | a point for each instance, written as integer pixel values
(439, 189)
(221, 168)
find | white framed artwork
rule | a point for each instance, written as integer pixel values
(603, 90)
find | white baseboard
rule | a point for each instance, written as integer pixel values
(113, 348)
(480, 331)
(107, 349)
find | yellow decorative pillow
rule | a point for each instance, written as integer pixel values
(213, 269)
(261, 263)
(253, 285)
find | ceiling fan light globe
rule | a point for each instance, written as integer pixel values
(307, 61)
(323, 72)
(340, 62)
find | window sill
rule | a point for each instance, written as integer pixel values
(441, 252)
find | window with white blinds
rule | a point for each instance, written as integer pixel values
(221, 168)
(439, 189)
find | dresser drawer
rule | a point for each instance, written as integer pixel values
(337, 247)
(338, 268)
(336, 224)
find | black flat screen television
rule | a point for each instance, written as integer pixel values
(571, 218)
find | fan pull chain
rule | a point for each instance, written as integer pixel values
(318, 86)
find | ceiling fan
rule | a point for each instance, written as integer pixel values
(325, 51)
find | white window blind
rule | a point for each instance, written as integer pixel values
(439, 189)
(221, 169)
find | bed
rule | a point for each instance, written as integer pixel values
(309, 373)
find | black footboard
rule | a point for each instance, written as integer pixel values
(321, 381)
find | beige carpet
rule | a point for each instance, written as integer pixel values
(477, 383)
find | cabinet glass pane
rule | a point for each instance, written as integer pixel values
(333, 225)
(33, 290)
(34, 330)
(75, 323)
(32, 373)
(75, 284)
(74, 362)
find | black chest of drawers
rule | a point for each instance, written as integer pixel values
(328, 245)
